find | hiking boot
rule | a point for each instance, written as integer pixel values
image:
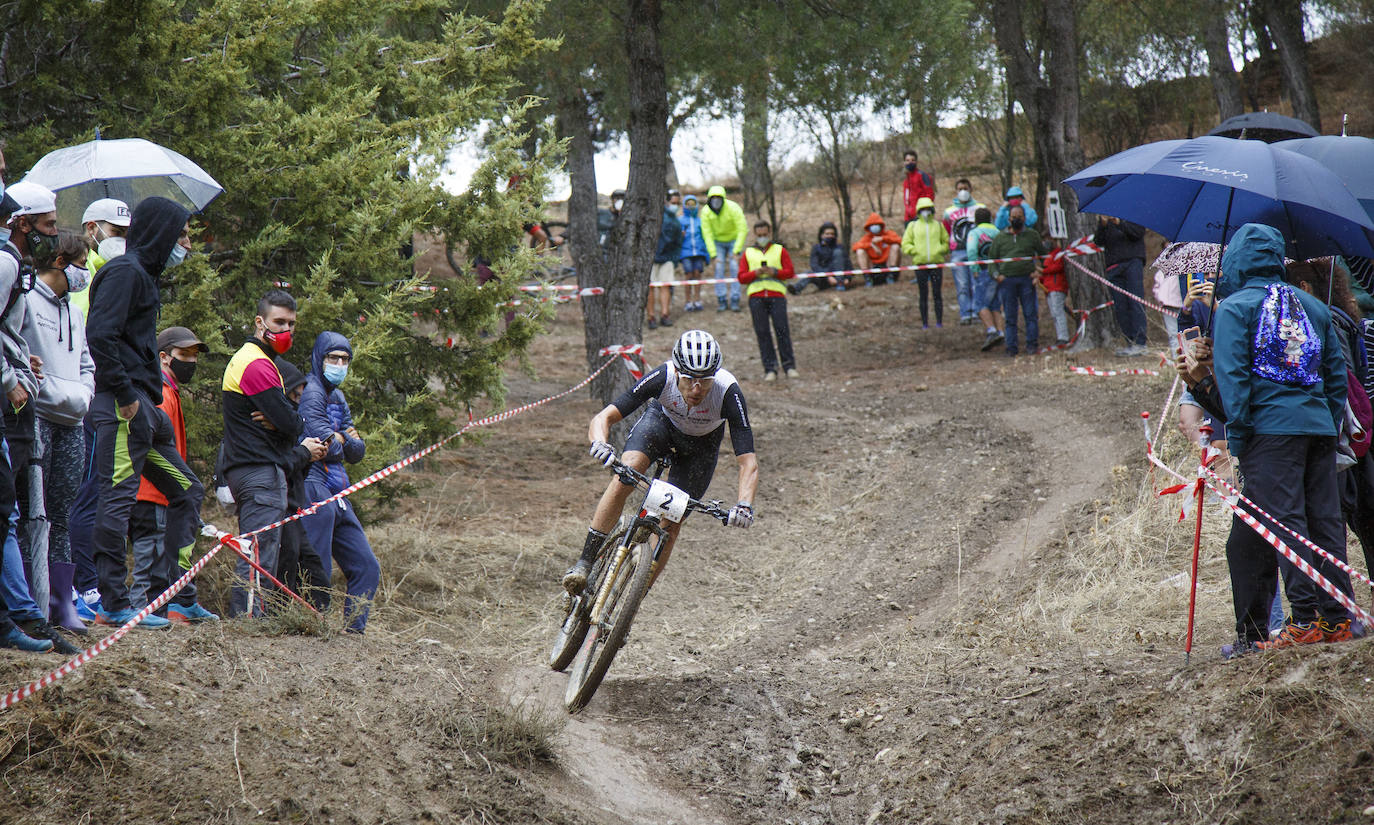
(653, 322)
(720, 305)
(119, 618)
(182, 614)
(994, 338)
(576, 578)
(15, 639)
(1336, 631)
(1237, 649)
(665, 321)
(1294, 634)
(39, 629)
(770, 376)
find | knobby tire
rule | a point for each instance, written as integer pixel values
(568, 636)
(598, 651)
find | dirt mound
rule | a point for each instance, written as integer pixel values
(960, 604)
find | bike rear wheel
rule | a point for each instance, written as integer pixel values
(603, 641)
(568, 636)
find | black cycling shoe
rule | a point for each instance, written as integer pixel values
(576, 578)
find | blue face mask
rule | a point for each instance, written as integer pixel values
(4, 234)
(177, 256)
(335, 373)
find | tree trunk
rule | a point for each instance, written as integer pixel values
(755, 145)
(1283, 18)
(631, 246)
(1009, 144)
(1216, 41)
(1050, 100)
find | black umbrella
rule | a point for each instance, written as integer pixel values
(1269, 127)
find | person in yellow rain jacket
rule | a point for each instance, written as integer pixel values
(926, 242)
(725, 231)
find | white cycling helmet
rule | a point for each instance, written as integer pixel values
(696, 354)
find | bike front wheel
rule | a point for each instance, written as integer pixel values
(568, 636)
(605, 639)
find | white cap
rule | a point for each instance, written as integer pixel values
(33, 198)
(108, 210)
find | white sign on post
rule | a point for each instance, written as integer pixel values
(1056, 222)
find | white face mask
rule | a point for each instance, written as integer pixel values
(111, 248)
(875, 229)
(618, 204)
(963, 195)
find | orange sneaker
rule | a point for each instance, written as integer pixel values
(1295, 634)
(1336, 631)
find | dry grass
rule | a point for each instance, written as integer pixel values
(512, 735)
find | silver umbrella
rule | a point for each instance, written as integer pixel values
(129, 169)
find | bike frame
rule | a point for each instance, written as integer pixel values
(633, 536)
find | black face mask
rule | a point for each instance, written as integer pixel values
(1018, 223)
(911, 166)
(828, 241)
(40, 245)
(181, 370)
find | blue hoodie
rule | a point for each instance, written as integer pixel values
(693, 245)
(1257, 405)
(326, 412)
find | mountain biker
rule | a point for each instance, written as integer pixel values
(690, 397)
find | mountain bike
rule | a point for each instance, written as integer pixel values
(597, 621)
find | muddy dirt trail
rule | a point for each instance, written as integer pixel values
(960, 604)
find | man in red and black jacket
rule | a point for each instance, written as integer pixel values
(762, 269)
(916, 185)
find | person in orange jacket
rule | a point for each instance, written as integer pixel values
(156, 565)
(877, 247)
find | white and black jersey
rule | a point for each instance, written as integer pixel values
(724, 403)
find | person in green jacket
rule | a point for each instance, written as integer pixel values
(926, 242)
(1014, 277)
(725, 231)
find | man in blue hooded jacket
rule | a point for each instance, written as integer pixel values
(1281, 376)
(334, 530)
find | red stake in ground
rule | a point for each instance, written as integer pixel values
(1205, 439)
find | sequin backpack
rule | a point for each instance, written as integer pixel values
(1287, 348)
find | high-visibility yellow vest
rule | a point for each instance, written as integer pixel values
(754, 258)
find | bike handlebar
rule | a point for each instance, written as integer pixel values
(630, 475)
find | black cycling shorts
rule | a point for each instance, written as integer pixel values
(693, 456)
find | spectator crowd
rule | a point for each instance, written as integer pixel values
(93, 462)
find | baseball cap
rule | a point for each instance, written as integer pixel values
(1015, 192)
(692, 198)
(109, 210)
(33, 198)
(8, 205)
(181, 338)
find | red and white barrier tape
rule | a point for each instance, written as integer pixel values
(1078, 332)
(580, 293)
(1109, 373)
(628, 353)
(225, 539)
(1138, 299)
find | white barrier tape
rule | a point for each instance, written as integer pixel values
(581, 292)
(1126, 292)
(225, 538)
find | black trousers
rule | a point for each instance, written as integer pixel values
(1292, 477)
(299, 566)
(1357, 501)
(764, 310)
(931, 279)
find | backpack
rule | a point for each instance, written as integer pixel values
(1286, 347)
(959, 232)
(984, 247)
(22, 284)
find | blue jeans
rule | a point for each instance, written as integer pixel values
(337, 535)
(1130, 315)
(1019, 291)
(963, 284)
(727, 265)
(985, 294)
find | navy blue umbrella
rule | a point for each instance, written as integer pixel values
(1204, 189)
(1350, 158)
(1266, 126)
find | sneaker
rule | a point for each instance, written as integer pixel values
(39, 629)
(770, 376)
(576, 578)
(925, 326)
(1294, 634)
(1133, 351)
(653, 322)
(1238, 648)
(792, 372)
(121, 617)
(994, 338)
(87, 604)
(182, 614)
(665, 321)
(939, 325)
(1336, 631)
(734, 306)
(720, 305)
(963, 322)
(15, 639)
